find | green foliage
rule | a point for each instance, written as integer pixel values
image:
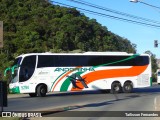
(39, 26)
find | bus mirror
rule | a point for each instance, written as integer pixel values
(6, 70)
(13, 68)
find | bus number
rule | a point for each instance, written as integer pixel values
(24, 87)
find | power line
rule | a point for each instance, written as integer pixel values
(110, 16)
(113, 11)
(150, 5)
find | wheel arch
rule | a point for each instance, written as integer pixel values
(116, 81)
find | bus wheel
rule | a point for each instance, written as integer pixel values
(127, 87)
(116, 88)
(41, 91)
(32, 94)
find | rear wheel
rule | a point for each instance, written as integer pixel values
(32, 94)
(127, 87)
(41, 91)
(116, 87)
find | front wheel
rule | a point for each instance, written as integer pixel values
(41, 91)
(127, 87)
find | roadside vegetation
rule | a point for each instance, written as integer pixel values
(39, 26)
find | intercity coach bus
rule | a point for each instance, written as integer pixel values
(39, 73)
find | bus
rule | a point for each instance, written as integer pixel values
(39, 73)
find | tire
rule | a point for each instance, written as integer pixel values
(41, 91)
(33, 94)
(127, 87)
(115, 88)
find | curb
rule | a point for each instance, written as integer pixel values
(17, 95)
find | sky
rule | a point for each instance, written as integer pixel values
(141, 35)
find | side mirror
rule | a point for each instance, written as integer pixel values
(13, 68)
(6, 70)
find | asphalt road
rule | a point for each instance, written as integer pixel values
(97, 103)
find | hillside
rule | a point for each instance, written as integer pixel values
(38, 26)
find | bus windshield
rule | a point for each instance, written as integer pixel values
(13, 71)
(15, 76)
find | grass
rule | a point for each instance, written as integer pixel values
(10, 118)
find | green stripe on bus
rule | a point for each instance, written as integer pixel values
(131, 57)
(57, 79)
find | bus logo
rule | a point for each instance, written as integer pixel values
(76, 77)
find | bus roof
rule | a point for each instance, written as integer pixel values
(85, 53)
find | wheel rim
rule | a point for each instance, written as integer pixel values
(43, 91)
(128, 87)
(116, 88)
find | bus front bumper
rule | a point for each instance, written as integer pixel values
(14, 89)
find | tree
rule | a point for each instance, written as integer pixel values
(39, 26)
(154, 64)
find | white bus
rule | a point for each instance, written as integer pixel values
(40, 73)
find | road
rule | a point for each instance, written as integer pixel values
(145, 99)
